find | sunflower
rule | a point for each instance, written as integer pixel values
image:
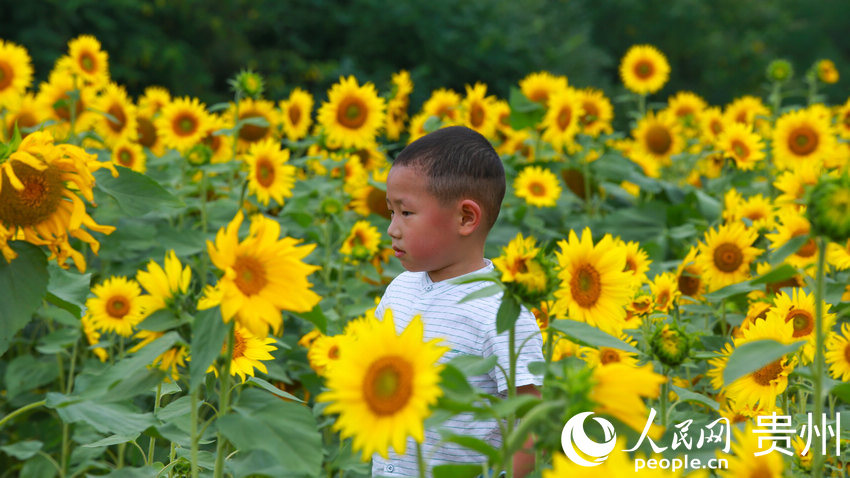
(163, 285)
(597, 112)
(762, 386)
(838, 353)
(120, 124)
(746, 109)
(658, 136)
(269, 176)
(248, 352)
(183, 123)
(594, 287)
(792, 183)
(89, 62)
(54, 98)
(129, 154)
(689, 276)
(838, 255)
(443, 104)
(726, 254)
(739, 143)
(539, 187)
(40, 188)
(604, 356)
(644, 69)
(826, 71)
(618, 463)
(168, 361)
(416, 128)
(842, 119)
(637, 261)
(711, 125)
(326, 351)
(153, 101)
(383, 386)
(115, 306)
(664, 289)
(23, 112)
(619, 390)
(688, 107)
(802, 136)
(368, 199)
(262, 274)
(93, 337)
(798, 309)
(263, 122)
(397, 106)
(749, 460)
(793, 223)
(15, 71)
(362, 242)
(520, 143)
(519, 264)
(539, 86)
(296, 114)
(476, 110)
(562, 119)
(757, 310)
(220, 145)
(758, 210)
(353, 114)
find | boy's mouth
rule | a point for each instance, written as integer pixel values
(398, 252)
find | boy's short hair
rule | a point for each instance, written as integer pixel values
(459, 163)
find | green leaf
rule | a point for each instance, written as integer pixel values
(778, 256)
(456, 471)
(508, 313)
(471, 365)
(752, 356)
(475, 444)
(487, 291)
(160, 321)
(58, 341)
(315, 317)
(38, 467)
(208, 336)
(492, 276)
(582, 333)
(510, 405)
(116, 418)
(286, 430)
(68, 289)
(524, 112)
(454, 383)
(112, 440)
(781, 273)
(135, 193)
(27, 372)
(842, 391)
(23, 449)
(23, 283)
(708, 206)
(272, 389)
(140, 472)
(730, 290)
(686, 395)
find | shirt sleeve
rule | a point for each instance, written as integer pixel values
(529, 343)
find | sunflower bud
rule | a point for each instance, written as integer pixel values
(780, 71)
(248, 84)
(330, 206)
(829, 207)
(199, 154)
(826, 71)
(670, 344)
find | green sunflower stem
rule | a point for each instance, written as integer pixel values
(152, 442)
(642, 105)
(224, 402)
(21, 410)
(511, 422)
(196, 391)
(817, 460)
(585, 165)
(420, 460)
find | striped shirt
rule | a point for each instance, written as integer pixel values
(467, 329)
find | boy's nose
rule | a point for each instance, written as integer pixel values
(393, 230)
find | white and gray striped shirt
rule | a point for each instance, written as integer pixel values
(467, 329)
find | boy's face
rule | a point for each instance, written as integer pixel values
(424, 231)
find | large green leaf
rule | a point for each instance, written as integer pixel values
(135, 193)
(583, 333)
(208, 335)
(456, 471)
(285, 430)
(507, 314)
(27, 372)
(752, 356)
(23, 283)
(22, 449)
(68, 289)
(114, 418)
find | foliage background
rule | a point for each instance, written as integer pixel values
(719, 48)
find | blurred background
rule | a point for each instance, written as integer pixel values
(718, 49)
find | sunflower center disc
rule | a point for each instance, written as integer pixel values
(808, 249)
(62, 107)
(847, 353)
(740, 149)
(147, 132)
(609, 356)
(662, 299)
(658, 140)
(377, 202)
(87, 62)
(803, 141)
(591, 114)
(537, 189)
(252, 132)
(239, 345)
(388, 385)
(768, 373)
(294, 114)
(125, 158)
(265, 173)
(476, 116)
(585, 286)
(6, 76)
(333, 352)
(351, 113)
(802, 320)
(120, 119)
(688, 284)
(250, 275)
(36, 202)
(644, 69)
(564, 117)
(117, 307)
(186, 125)
(728, 257)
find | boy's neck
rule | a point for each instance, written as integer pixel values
(457, 269)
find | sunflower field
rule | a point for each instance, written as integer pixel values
(189, 289)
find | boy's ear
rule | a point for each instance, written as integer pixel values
(470, 215)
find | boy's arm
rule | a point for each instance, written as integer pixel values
(524, 458)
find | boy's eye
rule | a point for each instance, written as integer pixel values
(406, 213)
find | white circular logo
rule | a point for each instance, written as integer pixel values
(573, 437)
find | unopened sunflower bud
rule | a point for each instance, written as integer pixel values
(670, 345)
(829, 207)
(330, 206)
(248, 84)
(780, 71)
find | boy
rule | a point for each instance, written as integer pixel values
(444, 192)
